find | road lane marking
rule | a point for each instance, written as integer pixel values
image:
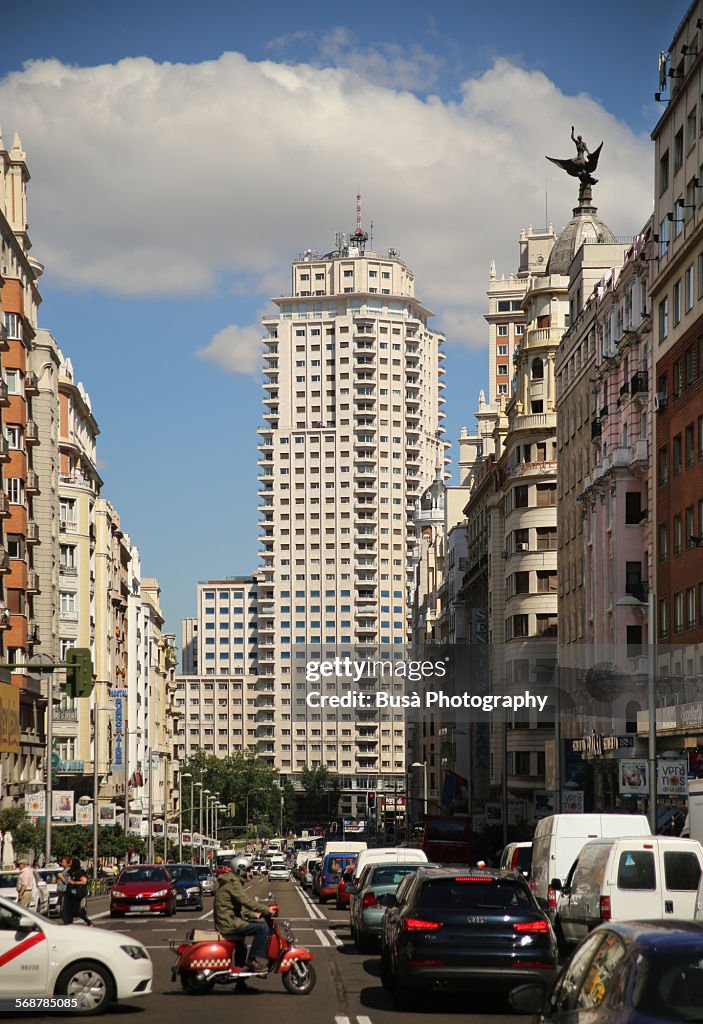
(323, 938)
(207, 914)
(337, 941)
(363, 1020)
(342, 1020)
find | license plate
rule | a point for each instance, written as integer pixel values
(137, 906)
(178, 899)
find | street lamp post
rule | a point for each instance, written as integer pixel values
(181, 777)
(423, 765)
(203, 793)
(199, 786)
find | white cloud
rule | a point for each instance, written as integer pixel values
(235, 349)
(157, 179)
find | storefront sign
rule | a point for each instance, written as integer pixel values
(597, 744)
(9, 719)
(118, 754)
(634, 778)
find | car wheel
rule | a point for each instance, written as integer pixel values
(321, 899)
(404, 999)
(386, 976)
(89, 983)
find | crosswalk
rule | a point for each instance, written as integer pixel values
(348, 1020)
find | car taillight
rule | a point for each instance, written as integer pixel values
(323, 879)
(552, 898)
(342, 886)
(425, 963)
(369, 900)
(534, 927)
(605, 908)
(533, 885)
(513, 863)
(538, 964)
(416, 924)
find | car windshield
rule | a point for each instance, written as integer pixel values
(143, 874)
(391, 874)
(669, 986)
(9, 881)
(465, 893)
(177, 871)
(204, 872)
(49, 875)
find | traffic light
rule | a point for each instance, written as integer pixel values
(79, 672)
(371, 801)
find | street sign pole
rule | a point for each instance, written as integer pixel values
(49, 761)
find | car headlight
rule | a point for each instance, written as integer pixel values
(136, 952)
(161, 892)
(193, 888)
(118, 892)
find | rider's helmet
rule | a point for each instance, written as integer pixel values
(239, 865)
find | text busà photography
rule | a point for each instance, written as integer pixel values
(351, 512)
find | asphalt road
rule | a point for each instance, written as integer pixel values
(348, 989)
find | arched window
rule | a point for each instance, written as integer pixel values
(537, 369)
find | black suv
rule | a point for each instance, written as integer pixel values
(464, 929)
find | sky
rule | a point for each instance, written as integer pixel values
(182, 155)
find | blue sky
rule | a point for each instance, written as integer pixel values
(172, 185)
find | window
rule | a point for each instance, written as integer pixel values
(664, 172)
(603, 977)
(689, 447)
(689, 365)
(676, 379)
(678, 534)
(677, 455)
(537, 369)
(14, 488)
(522, 582)
(681, 871)
(663, 319)
(663, 542)
(546, 582)
(677, 303)
(521, 496)
(678, 150)
(688, 288)
(678, 612)
(663, 466)
(502, 370)
(546, 538)
(502, 330)
(546, 495)
(636, 870)
(664, 618)
(690, 607)
(691, 128)
(633, 508)
(502, 350)
(546, 625)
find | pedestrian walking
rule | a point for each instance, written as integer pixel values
(76, 882)
(25, 883)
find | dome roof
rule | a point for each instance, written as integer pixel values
(584, 226)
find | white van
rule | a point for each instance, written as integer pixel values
(652, 878)
(342, 846)
(517, 857)
(389, 855)
(559, 839)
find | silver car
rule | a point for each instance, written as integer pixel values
(208, 882)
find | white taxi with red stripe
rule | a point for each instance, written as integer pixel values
(92, 967)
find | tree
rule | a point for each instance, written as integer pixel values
(242, 779)
(321, 793)
(26, 836)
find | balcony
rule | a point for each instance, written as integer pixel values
(4, 450)
(4, 505)
(596, 430)
(32, 485)
(31, 433)
(32, 532)
(640, 591)
(4, 560)
(33, 583)
(31, 384)
(4, 393)
(639, 383)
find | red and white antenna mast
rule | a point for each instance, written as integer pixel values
(360, 237)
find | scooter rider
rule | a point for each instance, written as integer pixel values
(237, 916)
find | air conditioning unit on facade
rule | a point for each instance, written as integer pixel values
(660, 401)
(523, 547)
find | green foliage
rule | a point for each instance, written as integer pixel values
(242, 779)
(26, 836)
(321, 793)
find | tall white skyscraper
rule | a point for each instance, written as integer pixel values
(353, 411)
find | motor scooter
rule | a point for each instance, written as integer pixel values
(207, 959)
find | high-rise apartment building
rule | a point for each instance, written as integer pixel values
(353, 398)
(222, 706)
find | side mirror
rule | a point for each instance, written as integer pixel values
(352, 889)
(388, 900)
(556, 884)
(527, 998)
(27, 924)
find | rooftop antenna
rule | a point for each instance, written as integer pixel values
(360, 237)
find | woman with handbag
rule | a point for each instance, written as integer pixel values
(76, 891)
